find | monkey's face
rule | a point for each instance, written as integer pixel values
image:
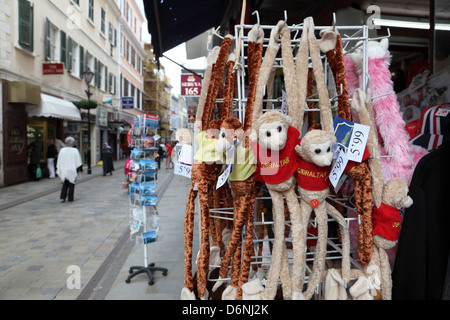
(223, 143)
(226, 138)
(273, 135)
(316, 147)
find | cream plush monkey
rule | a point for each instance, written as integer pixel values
(389, 198)
(274, 138)
(314, 166)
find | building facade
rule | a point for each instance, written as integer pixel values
(157, 93)
(131, 62)
(47, 48)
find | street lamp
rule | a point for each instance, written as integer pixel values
(88, 75)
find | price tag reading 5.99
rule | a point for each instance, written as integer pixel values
(182, 170)
(338, 168)
(358, 141)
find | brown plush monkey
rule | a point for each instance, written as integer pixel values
(202, 175)
(241, 179)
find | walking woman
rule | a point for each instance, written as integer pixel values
(69, 160)
(107, 159)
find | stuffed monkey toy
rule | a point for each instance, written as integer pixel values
(202, 174)
(388, 200)
(314, 166)
(273, 140)
(241, 179)
(331, 44)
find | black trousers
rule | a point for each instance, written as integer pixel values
(67, 190)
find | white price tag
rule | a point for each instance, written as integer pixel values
(228, 166)
(182, 170)
(186, 155)
(338, 168)
(223, 177)
(358, 141)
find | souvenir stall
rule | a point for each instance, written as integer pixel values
(311, 162)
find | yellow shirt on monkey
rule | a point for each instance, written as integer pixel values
(206, 151)
(244, 164)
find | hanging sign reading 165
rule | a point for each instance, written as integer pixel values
(191, 84)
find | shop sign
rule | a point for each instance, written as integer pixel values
(107, 99)
(102, 117)
(53, 68)
(191, 85)
(127, 102)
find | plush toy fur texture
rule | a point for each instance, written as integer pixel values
(392, 135)
(244, 191)
(331, 45)
(275, 123)
(203, 175)
(395, 194)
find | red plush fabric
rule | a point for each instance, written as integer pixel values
(312, 177)
(386, 222)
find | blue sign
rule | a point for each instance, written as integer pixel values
(127, 102)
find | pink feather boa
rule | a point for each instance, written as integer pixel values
(392, 135)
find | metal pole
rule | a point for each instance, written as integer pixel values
(89, 171)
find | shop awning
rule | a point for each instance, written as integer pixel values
(55, 108)
(173, 22)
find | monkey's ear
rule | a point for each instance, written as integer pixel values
(288, 120)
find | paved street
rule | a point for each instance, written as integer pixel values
(45, 244)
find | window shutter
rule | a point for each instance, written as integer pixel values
(106, 79)
(25, 25)
(95, 73)
(62, 57)
(115, 37)
(69, 55)
(81, 62)
(47, 40)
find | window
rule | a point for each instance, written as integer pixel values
(129, 15)
(122, 45)
(135, 23)
(77, 2)
(102, 21)
(128, 52)
(25, 25)
(91, 10)
(73, 57)
(112, 84)
(51, 33)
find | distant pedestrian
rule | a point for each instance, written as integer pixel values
(34, 161)
(160, 156)
(69, 160)
(169, 156)
(52, 153)
(107, 159)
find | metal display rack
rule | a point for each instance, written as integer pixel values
(143, 206)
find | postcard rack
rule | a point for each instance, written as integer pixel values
(142, 183)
